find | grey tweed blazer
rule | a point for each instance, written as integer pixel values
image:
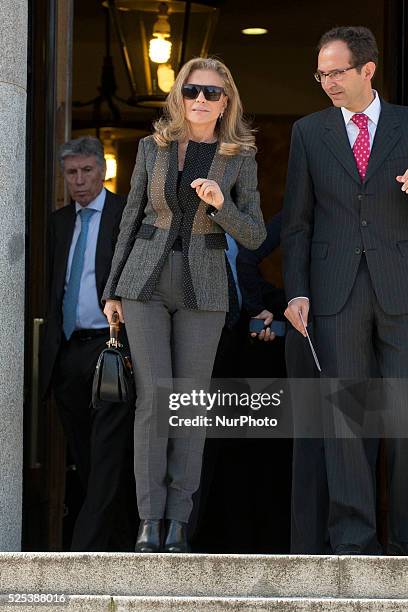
(153, 219)
(331, 217)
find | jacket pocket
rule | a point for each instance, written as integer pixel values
(403, 247)
(146, 231)
(319, 250)
(216, 241)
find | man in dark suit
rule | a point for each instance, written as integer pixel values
(261, 299)
(240, 357)
(82, 239)
(309, 499)
(345, 243)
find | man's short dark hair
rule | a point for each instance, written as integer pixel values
(360, 41)
(85, 146)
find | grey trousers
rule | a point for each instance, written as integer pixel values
(167, 341)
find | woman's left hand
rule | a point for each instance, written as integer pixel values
(209, 191)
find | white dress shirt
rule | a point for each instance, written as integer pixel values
(232, 252)
(89, 313)
(373, 113)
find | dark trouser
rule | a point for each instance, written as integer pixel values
(309, 480)
(228, 364)
(100, 442)
(168, 341)
(349, 344)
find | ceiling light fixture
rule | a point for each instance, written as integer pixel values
(156, 38)
(254, 31)
(159, 46)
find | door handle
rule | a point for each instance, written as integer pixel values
(35, 384)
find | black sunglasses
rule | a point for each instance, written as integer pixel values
(212, 93)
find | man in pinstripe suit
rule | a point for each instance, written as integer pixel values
(345, 244)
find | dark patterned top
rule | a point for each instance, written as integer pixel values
(197, 163)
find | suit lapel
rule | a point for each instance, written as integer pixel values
(215, 173)
(387, 135)
(336, 139)
(218, 166)
(64, 237)
(103, 251)
(170, 186)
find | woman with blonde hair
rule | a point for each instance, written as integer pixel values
(194, 179)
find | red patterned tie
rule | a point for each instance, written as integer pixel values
(361, 147)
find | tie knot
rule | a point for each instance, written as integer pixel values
(86, 214)
(360, 119)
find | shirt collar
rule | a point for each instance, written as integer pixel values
(96, 204)
(372, 111)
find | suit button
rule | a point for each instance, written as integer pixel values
(360, 196)
(357, 251)
(364, 223)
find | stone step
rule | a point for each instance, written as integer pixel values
(192, 575)
(103, 603)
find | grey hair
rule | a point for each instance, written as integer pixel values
(86, 145)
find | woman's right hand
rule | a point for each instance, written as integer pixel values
(112, 306)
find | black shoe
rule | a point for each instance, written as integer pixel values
(149, 536)
(176, 538)
(397, 548)
(348, 549)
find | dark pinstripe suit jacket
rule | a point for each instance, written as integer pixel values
(331, 217)
(153, 219)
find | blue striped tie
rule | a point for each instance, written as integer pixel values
(70, 302)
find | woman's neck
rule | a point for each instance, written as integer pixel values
(202, 133)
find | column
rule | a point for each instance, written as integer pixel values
(13, 77)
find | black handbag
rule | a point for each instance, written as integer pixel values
(113, 379)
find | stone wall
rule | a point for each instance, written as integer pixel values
(13, 93)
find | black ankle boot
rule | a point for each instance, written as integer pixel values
(176, 538)
(149, 536)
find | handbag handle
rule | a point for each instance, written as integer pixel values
(114, 327)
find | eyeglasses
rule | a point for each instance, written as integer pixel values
(334, 75)
(212, 93)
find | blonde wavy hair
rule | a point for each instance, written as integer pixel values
(234, 134)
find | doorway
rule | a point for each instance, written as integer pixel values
(274, 74)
